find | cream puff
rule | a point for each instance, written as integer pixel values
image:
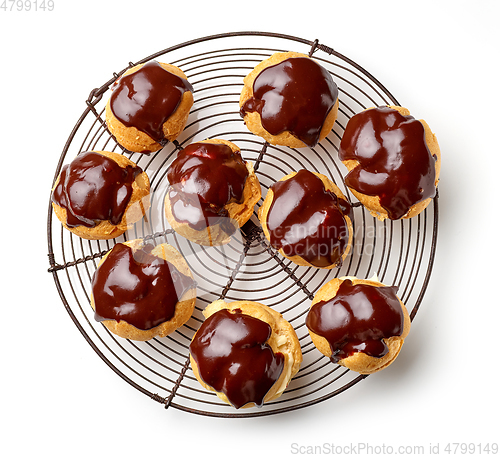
(307, 219)
(212, 192)
(393, 161)
(149, 106)
(141, 291)
(289, 99)
(359, 324)
(100, 195)
(246, 352)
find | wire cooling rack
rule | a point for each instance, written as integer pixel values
(401, 253)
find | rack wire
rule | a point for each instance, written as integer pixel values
(401, 253)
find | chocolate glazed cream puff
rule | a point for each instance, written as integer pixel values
(212, 192)
(149, 106)
(393, 161)
(100, 195)
(246, 352)
(141, 291)
(359, 324)
(307, 219)
(289, 100)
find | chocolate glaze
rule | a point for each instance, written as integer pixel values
(233, 357)
(394, 161)
(357, 319)
(204, 178)
(146, 98)
(305, 219)
(94, 188)
(295, 95)
(137, 287)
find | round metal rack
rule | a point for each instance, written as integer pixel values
(400, 252)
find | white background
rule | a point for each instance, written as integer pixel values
(439, 59)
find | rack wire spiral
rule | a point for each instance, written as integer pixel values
(400, 252)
